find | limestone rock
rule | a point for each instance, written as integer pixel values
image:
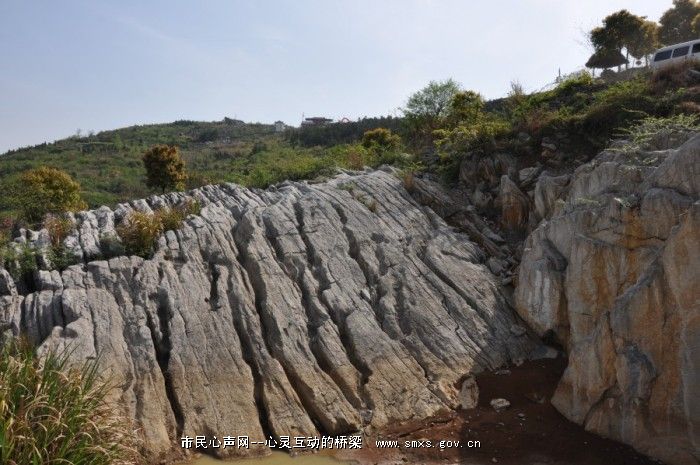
(515, 206)
(613, 276)
(291, 311)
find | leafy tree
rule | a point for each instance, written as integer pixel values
(381, 139)
(644, 40)
(677, 22)
(47, 190)
(165, 168)
(620, 30)
(427, 107)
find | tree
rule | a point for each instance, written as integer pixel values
(620, 30)
(165, 168)
(677, 22)
(47, 190)
(644, 41)
(427, 107)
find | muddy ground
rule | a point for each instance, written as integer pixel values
(530, 432)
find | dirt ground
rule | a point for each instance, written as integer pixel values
(530, 432)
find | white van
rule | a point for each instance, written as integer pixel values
(677, 53)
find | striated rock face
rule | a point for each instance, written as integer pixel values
(614, 276)
(304, 309)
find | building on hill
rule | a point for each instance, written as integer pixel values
(316, 121)
(280, 126)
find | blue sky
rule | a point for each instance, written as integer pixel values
(98, 65)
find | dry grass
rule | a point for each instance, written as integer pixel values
(51, 413)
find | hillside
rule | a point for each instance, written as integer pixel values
(108, 164)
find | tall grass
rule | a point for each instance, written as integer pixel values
(51, 413)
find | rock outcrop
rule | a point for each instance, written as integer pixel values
(302, 309)
(613, 274)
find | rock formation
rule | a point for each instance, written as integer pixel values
(613, 273)
(299, 310)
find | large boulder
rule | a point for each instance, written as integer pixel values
(301, 310)
(613, 275)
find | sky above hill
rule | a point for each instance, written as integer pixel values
(95, 65)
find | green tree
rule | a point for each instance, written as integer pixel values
(620, 30)
(426, 108)
(644, 40)
(47, 190)
(165, 168)
(677, 22)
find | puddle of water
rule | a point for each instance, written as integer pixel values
(277, 458)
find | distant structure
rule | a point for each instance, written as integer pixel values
(280, 126)
(316, 121)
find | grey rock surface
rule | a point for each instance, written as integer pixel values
(297, 310)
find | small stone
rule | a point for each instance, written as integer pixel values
(499, 404)
(469, 394)
(494, 459)
(366, 295)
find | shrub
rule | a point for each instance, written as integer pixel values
(408, 173)
(139, 232)
(618, 106)
(47, 190)
(165, 168)
(19, 261)
(50, 413)
(172, 218)
(111, 246)
(58, 227)
(60, 257)
(643, 134)
(381, 139)
(675, 76)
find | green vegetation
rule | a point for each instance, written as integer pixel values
(45, 190)
(139, 231)
(642, 134)
(51, 413)
(165, 169)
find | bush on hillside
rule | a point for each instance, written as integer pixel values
(139, 232)
(52, 413)
(381, 139)
(47, 190)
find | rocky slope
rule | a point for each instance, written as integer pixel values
(612, 273)
(305, 309)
